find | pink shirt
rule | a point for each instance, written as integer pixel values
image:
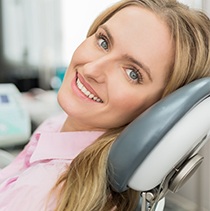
(25, 184)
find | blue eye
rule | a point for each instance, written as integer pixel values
(134, 75)
(103, 44)
(102, 41)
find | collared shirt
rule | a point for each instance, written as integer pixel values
(26, 183)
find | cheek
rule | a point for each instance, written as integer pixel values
(126, 105)
(83, 53)
(132, 104)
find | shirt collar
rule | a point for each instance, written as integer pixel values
(62, 145)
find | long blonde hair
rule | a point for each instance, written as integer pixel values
(85, 184)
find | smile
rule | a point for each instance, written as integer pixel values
(87, 93)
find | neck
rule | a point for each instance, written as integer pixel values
(71, 125)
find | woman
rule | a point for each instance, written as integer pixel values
(136, 52)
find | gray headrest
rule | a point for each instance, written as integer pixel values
(139, 138)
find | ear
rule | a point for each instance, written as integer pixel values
(161, 139)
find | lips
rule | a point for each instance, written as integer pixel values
(86, 89)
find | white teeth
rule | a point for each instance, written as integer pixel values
(86, 92)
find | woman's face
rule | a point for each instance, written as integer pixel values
(118, 72)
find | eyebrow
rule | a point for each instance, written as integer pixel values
(127, 57)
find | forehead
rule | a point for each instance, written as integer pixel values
(139, 31)
(139, 24)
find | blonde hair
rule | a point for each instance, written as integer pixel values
(85, 184)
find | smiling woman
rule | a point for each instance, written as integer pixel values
(136, 52)
(110, 65)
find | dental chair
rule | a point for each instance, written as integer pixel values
(158, 151)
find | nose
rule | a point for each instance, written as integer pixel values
(97, 69)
